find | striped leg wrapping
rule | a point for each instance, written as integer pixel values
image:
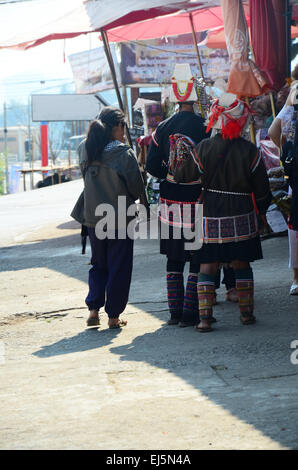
(175, 288)
(190, 306)
(206, 290)
(245, 291)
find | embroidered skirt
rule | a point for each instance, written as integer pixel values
(230, 229)
(177, 212)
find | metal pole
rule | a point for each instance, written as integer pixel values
(114, 78)
(196, 45)
(111, 65)
(29, 141)
(125, 102)
(272, 105)
(6, 149)
(32, 150)
(251, 126)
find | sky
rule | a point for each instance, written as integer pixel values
(21, 72)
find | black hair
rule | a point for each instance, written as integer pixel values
(294, 74)
(100, 131)
(189, 103)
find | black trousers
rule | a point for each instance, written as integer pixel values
(110, 275)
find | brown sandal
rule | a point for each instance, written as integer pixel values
(93, 321)
(202, 329)
(248, 319)
(118, 325)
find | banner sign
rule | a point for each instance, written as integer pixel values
(91, 70)
(153, 62)
(72, 107)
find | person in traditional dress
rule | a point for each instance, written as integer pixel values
(232, 170)
(182, 302)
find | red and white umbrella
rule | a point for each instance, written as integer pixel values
(171, 25)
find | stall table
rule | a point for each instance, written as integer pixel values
(45, 169)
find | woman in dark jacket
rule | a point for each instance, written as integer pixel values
(112, 183)
(232, 171)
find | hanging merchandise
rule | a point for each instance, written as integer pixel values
(204, 100)
(153, 189)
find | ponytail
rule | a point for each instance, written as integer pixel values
(97, 139)
(100, 131)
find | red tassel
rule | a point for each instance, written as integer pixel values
(232, 130)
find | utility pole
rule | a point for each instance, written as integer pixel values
(6, 149)
(29, 142)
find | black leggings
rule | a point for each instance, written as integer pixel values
(178, 267)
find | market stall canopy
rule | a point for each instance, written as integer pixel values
(171, 25)
(28, 24)
(216, 38)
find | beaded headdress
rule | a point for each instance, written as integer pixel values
(183, 87)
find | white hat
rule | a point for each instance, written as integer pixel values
(226, 100)
(229, 115)
(183, 88)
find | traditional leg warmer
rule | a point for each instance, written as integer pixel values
(245, 290)
(175, 287)
(190, 306)
(206, 290)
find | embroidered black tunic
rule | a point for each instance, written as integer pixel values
(238, 172)
(191, 125)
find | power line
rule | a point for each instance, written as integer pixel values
(156, 48)
(7, 2)
(9, 81)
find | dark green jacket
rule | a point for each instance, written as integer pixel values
(116, 174)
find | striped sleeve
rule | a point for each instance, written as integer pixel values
(155, 138)
(260, 185)
(256, 161)
(199, 148)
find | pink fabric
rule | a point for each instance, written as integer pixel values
(245, 79)
(269, 154)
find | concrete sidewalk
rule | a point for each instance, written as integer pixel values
(148, 385)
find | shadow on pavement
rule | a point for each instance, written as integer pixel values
(245, 370)
(91, 338)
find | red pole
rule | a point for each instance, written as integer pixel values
(44, 144)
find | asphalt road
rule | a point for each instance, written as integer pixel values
(146, 386)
